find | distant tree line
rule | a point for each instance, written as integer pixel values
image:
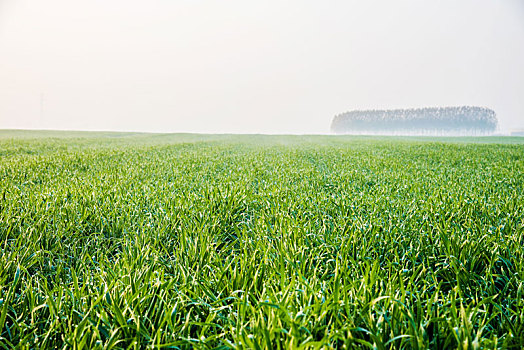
(464, 120)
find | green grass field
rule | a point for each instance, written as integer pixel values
(114, 240)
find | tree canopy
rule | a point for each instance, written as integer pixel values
(465, 120)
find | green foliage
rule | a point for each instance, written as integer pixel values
(158, 241)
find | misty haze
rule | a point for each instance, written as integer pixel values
(262, 175)
(269, 67)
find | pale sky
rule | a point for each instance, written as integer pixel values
(242, 66)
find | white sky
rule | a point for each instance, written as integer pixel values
(285, 66)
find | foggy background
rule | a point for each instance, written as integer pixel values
(244, 66)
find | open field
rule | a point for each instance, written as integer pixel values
(114, 240)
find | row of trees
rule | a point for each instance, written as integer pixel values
(464, 120)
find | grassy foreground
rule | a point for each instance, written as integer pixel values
(185, 241)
